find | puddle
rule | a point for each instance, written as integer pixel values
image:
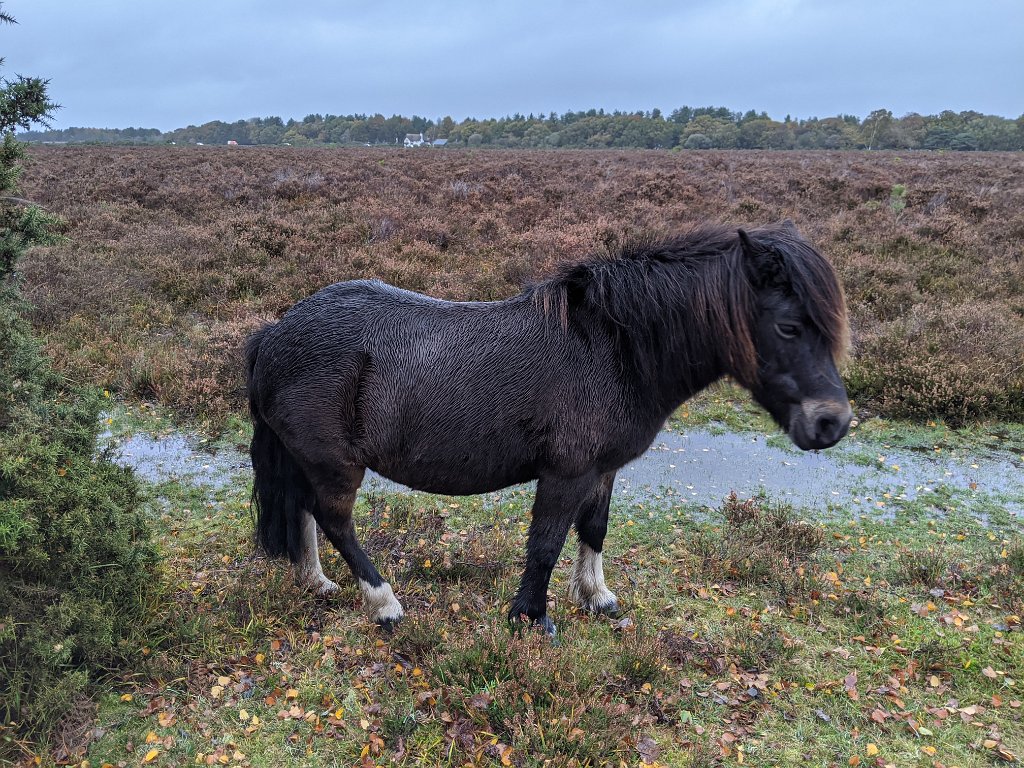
(696, 468)
(175, 458)
(702, 468)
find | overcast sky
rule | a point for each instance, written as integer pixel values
(120, 63)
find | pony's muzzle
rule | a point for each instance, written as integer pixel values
(820, 423)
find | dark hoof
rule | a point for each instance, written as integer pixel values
(546, 625)
(610, 610)
(388, 625)
(543, 623)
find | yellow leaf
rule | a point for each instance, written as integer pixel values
(151, 756)
(990, 743)
(872, 750)
(151, 737)
(126, 697)
(930, 751)
(216, 691)
(225, 681)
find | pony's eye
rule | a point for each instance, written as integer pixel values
(787, 330)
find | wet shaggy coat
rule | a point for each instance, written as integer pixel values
(564, 383)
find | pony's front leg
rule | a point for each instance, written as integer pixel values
(554, 509)
(586, 587)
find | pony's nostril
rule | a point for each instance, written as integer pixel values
(826, 427)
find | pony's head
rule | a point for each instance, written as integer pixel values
(800, 333)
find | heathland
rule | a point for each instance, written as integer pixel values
(175, 253)
(753, 633)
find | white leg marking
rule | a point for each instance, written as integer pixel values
(586, 587)
(381, 602)
(308, 572)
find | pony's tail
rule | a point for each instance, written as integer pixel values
(281, 493)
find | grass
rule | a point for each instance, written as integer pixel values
(748, 635)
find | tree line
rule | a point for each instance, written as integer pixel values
(684, 128)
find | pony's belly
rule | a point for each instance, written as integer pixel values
(454, 481)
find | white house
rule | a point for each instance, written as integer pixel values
(414, 140)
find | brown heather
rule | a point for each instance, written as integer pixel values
(176, 253)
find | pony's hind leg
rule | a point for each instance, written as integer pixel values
(336, 495)
(586, 586)
(308, 571)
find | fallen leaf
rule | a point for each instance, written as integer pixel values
(850, 684)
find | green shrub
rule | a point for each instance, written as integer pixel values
(76, 560)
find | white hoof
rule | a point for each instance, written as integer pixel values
(382, 603)
(586, 587)
(317, 583)
(601, 602)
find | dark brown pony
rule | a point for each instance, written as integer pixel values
(564, 383)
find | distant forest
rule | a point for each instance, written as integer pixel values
(683, 128)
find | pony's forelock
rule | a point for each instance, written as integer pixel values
(813, 280)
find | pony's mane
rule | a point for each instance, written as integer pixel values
(652, 286)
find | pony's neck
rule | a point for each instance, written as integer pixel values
(688, 365)
(680, 338)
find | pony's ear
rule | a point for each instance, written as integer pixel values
(750, 248)
(764, 265)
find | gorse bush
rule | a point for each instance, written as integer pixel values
(76, 561)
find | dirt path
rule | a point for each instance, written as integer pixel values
(700, 467)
